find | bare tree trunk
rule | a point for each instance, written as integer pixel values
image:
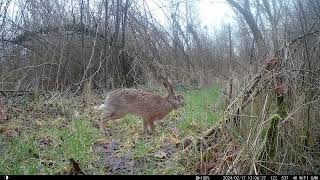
(247, 14)
(230, 66)
(82, 35)
(273, 17)
(124, 58)
(106, 42)
(115, 46)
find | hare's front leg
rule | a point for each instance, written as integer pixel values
(151, 125)
(145, 128)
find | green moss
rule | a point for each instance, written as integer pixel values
(282, 110)
(272, 135)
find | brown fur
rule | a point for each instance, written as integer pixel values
(150, 107)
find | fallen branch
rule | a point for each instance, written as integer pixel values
(15, 92)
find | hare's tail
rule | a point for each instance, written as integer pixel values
(101, 107)
(104, 105)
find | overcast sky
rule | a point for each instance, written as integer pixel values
(212, 13)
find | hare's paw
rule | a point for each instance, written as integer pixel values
(155, 132)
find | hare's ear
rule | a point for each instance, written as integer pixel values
(168, 85)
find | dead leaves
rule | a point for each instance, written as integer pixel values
(174, 136)
(169, 149)
(11, 133)
(45, 160)
(160, 154)
(272, 63)
(218, 159)
(177, 116)
(45, 141)
(38, 123)
(35, 155)
(48, 162)
(72, 169)
(3, 115)
(75, 168)
(186, 143)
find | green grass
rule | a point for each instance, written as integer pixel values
(27, 154)
(202, 109)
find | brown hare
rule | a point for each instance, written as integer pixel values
(150, 107)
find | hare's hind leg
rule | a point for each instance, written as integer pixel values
(101, 126)
(110, 116)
